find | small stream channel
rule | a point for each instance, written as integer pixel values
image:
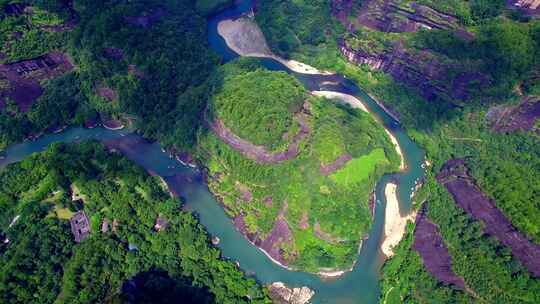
(358, 286)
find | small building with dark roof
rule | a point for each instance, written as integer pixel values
(80, 226)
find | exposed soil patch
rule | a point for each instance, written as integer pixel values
(339, 163)
(22, 79)
(389, 16)
(455, 177)
(147, 19)
(304, 221)
(268, 201)
(430, 246)
(515, 118)
(259, 153)
(107, 93)
(246, 195)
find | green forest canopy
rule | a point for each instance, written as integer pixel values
(42, 264)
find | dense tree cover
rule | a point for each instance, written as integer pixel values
(327, 215)
(152, 54)
(293, 26)
(42, 264)
(504, 51)
(169, 54)
(61, 104)
(506, 166)
(405, 280)
(259, 106)
(24, 36)
(208, 7)
(32, 263)
(487, 266)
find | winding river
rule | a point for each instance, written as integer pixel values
(358, 286)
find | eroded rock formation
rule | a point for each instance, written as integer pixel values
(281, 294)
(430, 245)
(522, 117)
(455, 177)
(419, 69)
(392, 16)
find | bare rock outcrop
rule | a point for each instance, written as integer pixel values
(391, 16)
(430, 245)
(522, 117)
(281, 294)
(468, 196)
(419, 69)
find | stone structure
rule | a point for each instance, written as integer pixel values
(80, 226)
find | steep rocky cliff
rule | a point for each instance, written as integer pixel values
(391, 16)
(420, 69)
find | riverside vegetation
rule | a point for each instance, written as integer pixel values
(42, 264)
(157, 83)
(308, 218)
(504, 47)
(161, 84)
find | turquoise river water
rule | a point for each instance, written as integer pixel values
(358, 286)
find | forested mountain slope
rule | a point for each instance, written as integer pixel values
(138, 63)
(295, 171)
(140, 242)
(463, 78)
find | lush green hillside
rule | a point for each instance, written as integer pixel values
(156, 83)
(271, 97)
(503, 47)
(42, 264)
(325, 213)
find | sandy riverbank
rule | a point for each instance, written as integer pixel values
(402, 165)
(245, 38)
(395, 224)
(357, 103)
(353, 101)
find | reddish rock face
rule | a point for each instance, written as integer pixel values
(419, 69)
(431, 247)
(389, 16)
(259, 153)
(23, 78)
(455, 177)
(339, 163)
(513, 119)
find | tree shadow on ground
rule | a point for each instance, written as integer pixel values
(157, 287)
